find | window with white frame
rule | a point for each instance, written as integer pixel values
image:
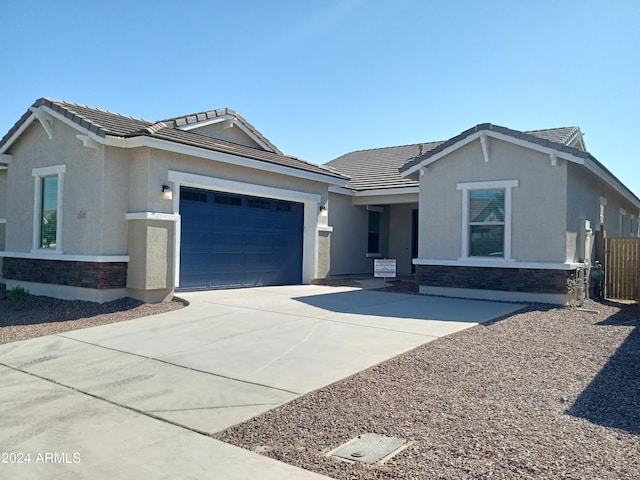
(486, 223)
(47, 224)
(486, 219)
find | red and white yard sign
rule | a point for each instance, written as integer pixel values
(384, 267)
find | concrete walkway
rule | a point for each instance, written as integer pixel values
(133, 399)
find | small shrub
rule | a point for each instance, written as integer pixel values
(18, 297)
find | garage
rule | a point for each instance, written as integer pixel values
(229, 240)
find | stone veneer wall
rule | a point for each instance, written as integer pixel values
(73, 274)
(492, 278)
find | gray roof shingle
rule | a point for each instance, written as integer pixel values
(104, 123)
(556, 138)
(380, 167)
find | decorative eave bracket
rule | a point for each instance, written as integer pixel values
(424, 171)
(45, 120)
(87, 141)
(553, 159)
(484, 143)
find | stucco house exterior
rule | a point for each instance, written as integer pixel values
(96, 205)
(511, 215)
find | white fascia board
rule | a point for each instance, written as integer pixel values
(341, 191)
(386, 191)
(491, 263)
(232, 159)
(499, 136)
(65, 257)
(242, 188)
(17, 133)
(166, 217)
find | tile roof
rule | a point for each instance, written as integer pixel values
(177, 122)
(556, 138)
(378, 168)
(564, 135)
(104, 123)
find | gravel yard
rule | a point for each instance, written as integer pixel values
(546, 393)
(45, 315)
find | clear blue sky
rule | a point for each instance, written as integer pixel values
(322, 78)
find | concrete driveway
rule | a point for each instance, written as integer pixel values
(132, 399)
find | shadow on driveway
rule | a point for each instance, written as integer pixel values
(421, 307)
(613, 397)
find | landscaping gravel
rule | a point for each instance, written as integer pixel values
(40, 315)
(545, 393)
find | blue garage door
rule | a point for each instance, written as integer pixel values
(230, 240)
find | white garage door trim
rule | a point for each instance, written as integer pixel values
(311, 203)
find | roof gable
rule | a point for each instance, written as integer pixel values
(551, 139)
(564, 143)
(115, 129)
(227, 118)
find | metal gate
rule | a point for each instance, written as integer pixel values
(622, 267)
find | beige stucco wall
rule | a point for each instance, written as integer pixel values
(233, 134)
(150, 169)
(83, 189)
(324, 254)
(151, 254)
(350, 236)
(387, 199)
(584, 191)
(538, 203)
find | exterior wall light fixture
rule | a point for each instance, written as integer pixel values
(167, 194)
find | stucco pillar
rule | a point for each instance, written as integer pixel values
(150, 276)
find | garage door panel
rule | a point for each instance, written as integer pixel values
(230, 240)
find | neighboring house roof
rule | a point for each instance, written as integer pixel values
(378, 168)
(105, 124)
(556, 141)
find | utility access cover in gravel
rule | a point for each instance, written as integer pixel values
(369, 448)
